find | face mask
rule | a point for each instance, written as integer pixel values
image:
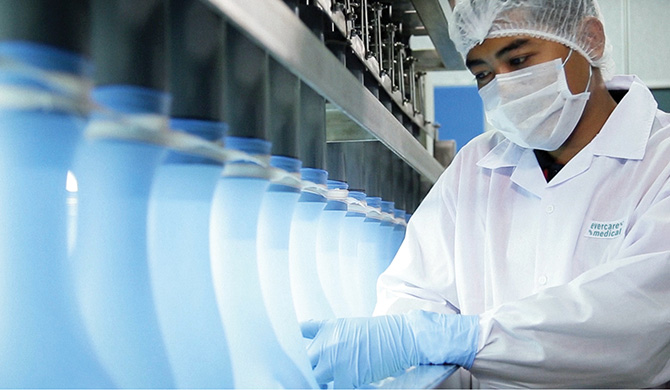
(533, 107)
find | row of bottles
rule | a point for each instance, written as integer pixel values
(144, 243)
(184, 272)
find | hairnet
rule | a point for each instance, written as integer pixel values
(472, 21)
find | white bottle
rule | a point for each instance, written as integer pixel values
(274, 227)
(308, 296)
(179, 263)
(258, 360)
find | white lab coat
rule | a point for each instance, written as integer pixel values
(571, 278)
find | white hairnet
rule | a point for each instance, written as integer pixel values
(472, 21)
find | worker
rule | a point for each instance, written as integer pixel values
(541, 256)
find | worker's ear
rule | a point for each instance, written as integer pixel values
(592, 33)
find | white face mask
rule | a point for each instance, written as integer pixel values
(533, 107)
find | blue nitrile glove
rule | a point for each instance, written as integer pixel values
(358, 351)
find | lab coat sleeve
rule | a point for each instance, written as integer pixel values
(421, 275)
(609, 327)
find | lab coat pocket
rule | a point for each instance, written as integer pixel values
(599, 242)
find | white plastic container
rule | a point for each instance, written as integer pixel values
(328, 246)
(386, 235)
(110, 256)
(350, 232)
(274, 227)
(179, 263)
(42, 337)
(258, 360)
(309, 298)
(369, 254)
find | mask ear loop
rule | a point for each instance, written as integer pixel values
(567, 58)
(588, 84)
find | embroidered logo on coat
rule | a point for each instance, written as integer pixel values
(598, 229)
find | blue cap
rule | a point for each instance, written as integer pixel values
(337, 185)
(318, 176)
(47, 57)
(132, 99)
(374, 201)
(253, 146)
(289, 164)
(387, 207)
(397, 213)
(358, 195)
(44, 57)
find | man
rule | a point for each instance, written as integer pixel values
(541, 257)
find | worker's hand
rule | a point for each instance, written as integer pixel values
(358, 351)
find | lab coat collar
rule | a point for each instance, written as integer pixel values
(527, 173)
(626, 132)
(624, 135)
(504, 154)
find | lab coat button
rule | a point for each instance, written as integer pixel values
(550, 209)
(542, 280)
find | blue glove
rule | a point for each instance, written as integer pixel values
(358, 351)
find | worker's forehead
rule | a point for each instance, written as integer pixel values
(491, 47)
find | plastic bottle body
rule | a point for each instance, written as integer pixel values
(328, 256)
(258, 360)
(385, 236)
(110, 255)
(181, 278)
(274, 229)
(42, 346)
(43, 343)
(367, 270)
(308, 296)
(348, 254)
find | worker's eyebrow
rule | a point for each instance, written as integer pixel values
(470, 63)
(517, 43)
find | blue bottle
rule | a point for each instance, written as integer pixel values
(43, 342)
(179, 263)
(274, 227)
(258, 360)
(350, 232)
(308, 296)
(328, 246)
(110, 255)
(369, 256)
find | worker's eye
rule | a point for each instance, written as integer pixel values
(483, 75)
(518, 61)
